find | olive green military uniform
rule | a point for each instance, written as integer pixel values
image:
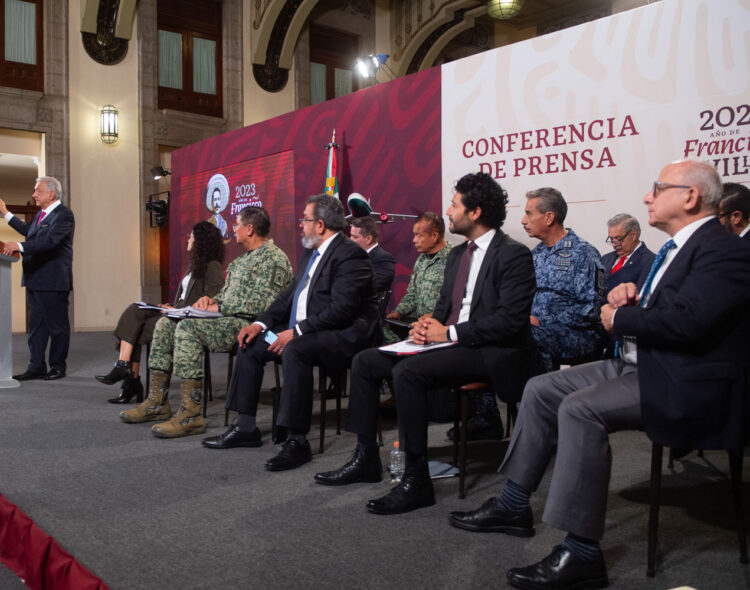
(253, 281)
(424, 289)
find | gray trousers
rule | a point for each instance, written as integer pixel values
(577, 409)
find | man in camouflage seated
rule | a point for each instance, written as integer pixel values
(426, 277)
(254, 279)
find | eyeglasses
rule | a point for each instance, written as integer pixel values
(303, 220)
(616, 239)
(662, 186)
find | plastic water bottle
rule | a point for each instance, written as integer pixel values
(396, 466)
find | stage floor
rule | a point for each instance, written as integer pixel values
(142, 512)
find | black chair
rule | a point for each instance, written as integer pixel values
(735, 470)
(518, 373)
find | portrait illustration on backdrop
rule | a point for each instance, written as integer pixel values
(217, 199)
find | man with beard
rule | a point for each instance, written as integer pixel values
(327, 314)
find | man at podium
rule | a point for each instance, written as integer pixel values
(47, 260)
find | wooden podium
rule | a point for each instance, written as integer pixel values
(6, 340)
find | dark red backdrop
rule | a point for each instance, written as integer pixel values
(389, 137)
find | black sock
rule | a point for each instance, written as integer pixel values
(246, 422)
(367, 441)
(585, 549)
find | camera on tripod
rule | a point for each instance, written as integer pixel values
(158, 209)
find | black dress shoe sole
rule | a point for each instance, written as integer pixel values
(515, 531)
(26, 377)
(398, 510)
(287, 466)
(55, 376)
(591, 583)
(346, 481)
(246, 444)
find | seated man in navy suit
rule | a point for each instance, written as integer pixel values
(734, 209)
(484, 307)
(680, 377)
(364, 233)
(47, 256)
(630, 257)
(327, 315)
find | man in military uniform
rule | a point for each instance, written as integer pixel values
(426, 276)
(253, 281)
(565, 321)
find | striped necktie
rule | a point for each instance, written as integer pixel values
(301, 285)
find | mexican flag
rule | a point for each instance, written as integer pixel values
(332, 184)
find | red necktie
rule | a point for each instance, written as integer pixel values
(459, 286)
(38, 221)
(619, 264)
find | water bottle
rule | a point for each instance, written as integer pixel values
(396, 466)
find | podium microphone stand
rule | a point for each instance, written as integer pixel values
(6, 340)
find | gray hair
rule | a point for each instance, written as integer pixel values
(433, 221)
(703, 175)
(329, 210)
(52, 184)
(629, 223)
(550, 199)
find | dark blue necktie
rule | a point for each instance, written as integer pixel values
(301, 285)
(658, 261)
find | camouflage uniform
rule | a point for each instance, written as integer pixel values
(569, 295)
(424, 289)
(254, 279)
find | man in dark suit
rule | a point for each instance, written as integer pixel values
(687, 389)
(364, 233)
(48, 277)
(630, 257)
(484, 308)
(734, 209)
(327, 314)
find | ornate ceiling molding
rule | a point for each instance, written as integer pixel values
(433, 46)
(103, 46)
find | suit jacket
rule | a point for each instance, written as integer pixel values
(383, 267)
(692, 352)
(498, 324)
(341, 296)
(631, 271)
(48, 250)
(746, 236)
(209, 284)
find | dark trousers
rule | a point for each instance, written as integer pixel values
(48, 322)
(299, 357)
(136, 326)
(414, 377)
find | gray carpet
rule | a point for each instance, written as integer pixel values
(141, 512)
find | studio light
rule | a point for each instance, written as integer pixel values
(108, 124)
(504, 9)
(159, 172)
(367, 66)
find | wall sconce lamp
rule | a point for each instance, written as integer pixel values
(108, 124)
(159, 172)
(504, 9)
(367, 66)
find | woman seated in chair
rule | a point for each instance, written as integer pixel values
(204, 276)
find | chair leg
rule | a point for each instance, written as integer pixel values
(322, 377)
(464, 443)
(340, 392)
(735, 469)
(206, 380)
(655, 499)
(456, 424)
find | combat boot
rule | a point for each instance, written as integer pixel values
(156, 405)
(188, 420)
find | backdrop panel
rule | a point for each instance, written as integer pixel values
(389, 138)
(597, 110)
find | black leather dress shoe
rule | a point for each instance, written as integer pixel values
(412, 492)
(490, 517)
(120, 371)
(481, 427)
(27, 375)
(130, 387)
(292, 455)
(233, 437)
(561, 570)
(54, 374)
(363, 466)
